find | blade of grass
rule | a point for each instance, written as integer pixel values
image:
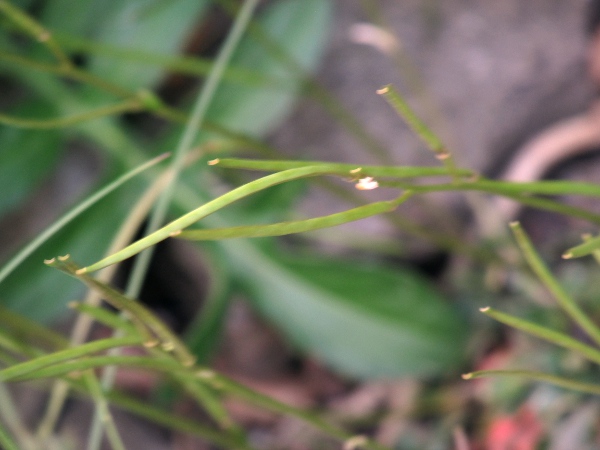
(541, 270)
(544, 333)
(328, 101)
(396, 101)
(14, 262)
(83, 323)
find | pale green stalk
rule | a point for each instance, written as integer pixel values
(35, 30)
(434, 143)
(62, 356)
(203, 211)
(173, 421)
(10, 415)
(159, 213)
(132, 105)
(299, 226)
(566, 383)
(590, 246)
(80, 330)
(350, 170)
(192, 128)
(103, 411)
(141, 316)
(564, 300)
(544, 333)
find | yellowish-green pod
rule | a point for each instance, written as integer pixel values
(205, 210)
(298, 226)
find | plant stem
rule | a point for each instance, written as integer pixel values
(194, 124)
(61, 122)
(541, 270)
(35, 30)
(566, 383)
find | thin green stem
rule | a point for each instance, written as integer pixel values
(205, 210)
(62, 356)
(141, 316)
(10, 415)
(83, 323)
(35, 30)
(194, 124)
(173, 422)
(103, 411)
(541, 270)
(566, 383)
(62, 122)
(299, 226)
(231, 387)
(555, 337)
(190, 65)
(590, 246)
(507, 190)
(434, 143)
(328, 101)
(353, 170)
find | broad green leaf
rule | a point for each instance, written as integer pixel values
(26, 156)
(299, 27)
(151, 25)
(363, 320)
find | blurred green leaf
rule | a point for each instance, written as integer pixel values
(83, 17)
(26, 156)
(299, 27)
(363, 320)
(40, 293)
(152, 25)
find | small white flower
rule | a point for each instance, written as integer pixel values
(366, 184)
